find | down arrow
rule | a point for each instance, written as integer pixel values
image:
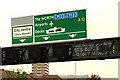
(22, 40)
(46, 38)
(72, 35)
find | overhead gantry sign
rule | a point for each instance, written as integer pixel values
(108, 48)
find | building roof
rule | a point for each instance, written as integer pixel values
(74, 76)
(45, 77)
(29, 76)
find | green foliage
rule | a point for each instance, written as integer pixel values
(16, 75)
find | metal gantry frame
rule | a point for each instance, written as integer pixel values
(98, 49)
(101, 49)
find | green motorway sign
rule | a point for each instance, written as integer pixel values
(60, 26)
(22, 34)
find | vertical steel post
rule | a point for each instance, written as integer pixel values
(75, 70)
(0, 62)
(119, 36)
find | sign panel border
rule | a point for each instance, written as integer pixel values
(24, 25)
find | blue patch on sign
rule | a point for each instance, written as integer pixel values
(65, 15)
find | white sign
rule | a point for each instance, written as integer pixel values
(22, 31)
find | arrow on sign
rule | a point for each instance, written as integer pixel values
(72, 35)
(22, 40)
(46, 38)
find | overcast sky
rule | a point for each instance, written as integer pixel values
(102, 22)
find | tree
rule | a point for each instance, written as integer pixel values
(16, 75)
(95, 77)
